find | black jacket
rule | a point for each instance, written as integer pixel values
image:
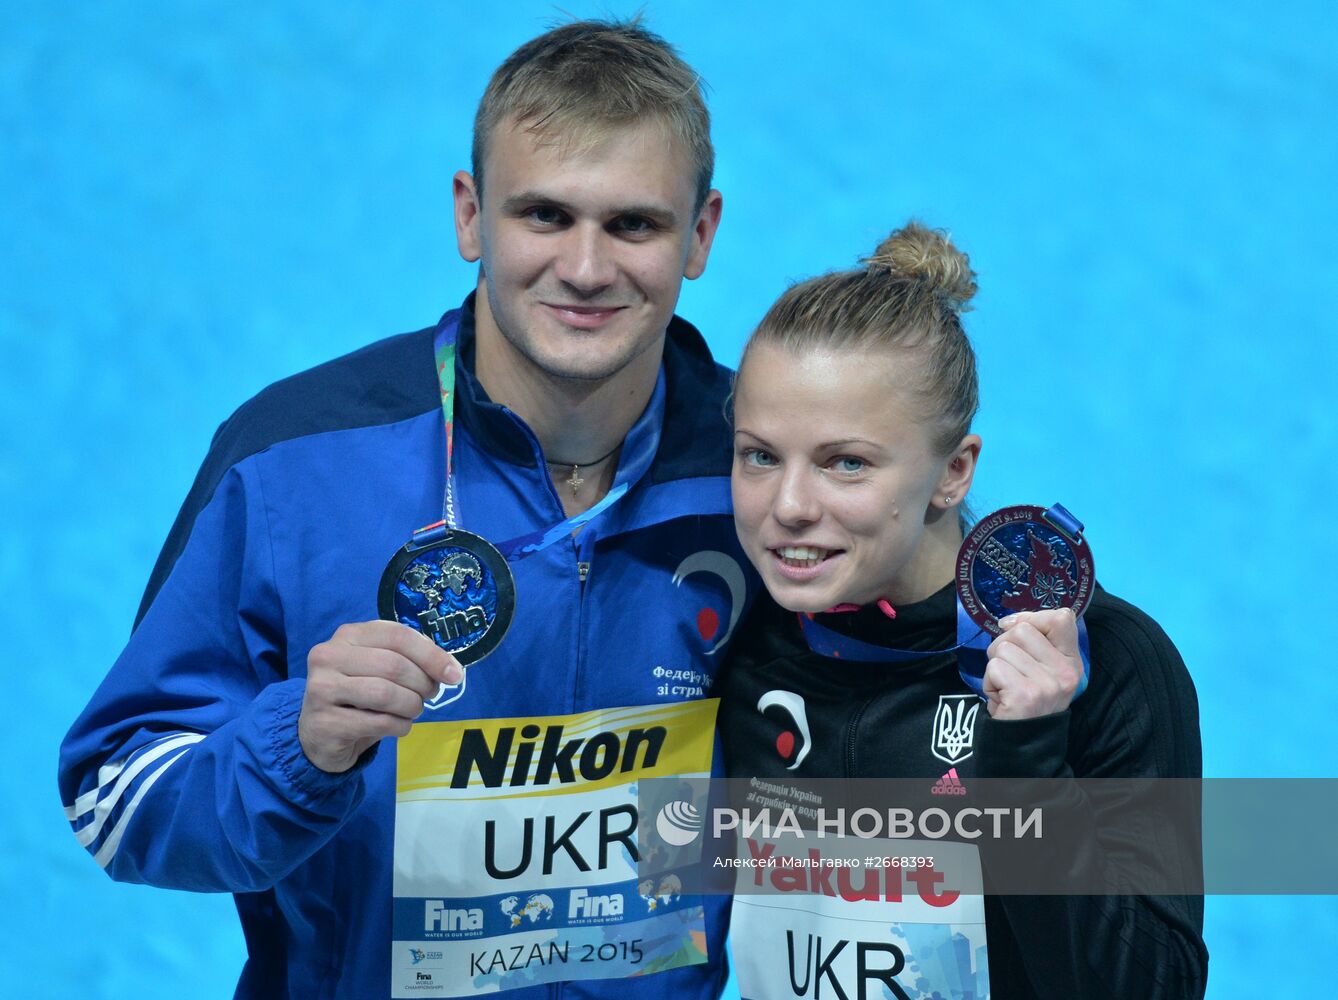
(1137, 719)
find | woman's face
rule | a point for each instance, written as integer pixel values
(835, 480)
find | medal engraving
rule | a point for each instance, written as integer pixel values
(1024, 559)
(457, 590)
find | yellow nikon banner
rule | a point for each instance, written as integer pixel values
(516, 854)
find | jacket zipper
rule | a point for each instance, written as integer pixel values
(582, 567)
(585, 551)
(852, 732)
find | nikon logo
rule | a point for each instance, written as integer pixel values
(541, 762)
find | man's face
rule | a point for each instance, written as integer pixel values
(583, 254)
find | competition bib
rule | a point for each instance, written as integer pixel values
(882, 922)
(516, 850)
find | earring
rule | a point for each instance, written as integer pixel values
(947, 498)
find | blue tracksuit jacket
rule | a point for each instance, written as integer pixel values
(185, 769)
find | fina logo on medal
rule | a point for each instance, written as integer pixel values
(955, 727)
(456, 589)
(456, 573)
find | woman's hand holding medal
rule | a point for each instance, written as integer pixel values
(366, 682)
(1034, 666)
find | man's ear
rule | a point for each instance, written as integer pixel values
(468, 215)
(958, 473)
(703, 233)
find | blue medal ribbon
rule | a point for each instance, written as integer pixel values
(643, 439)
(455, 586)
(972, 642)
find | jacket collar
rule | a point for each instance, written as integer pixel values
(695, 438)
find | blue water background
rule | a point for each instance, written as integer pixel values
(198, 199)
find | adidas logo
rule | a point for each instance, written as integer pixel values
(949, 784)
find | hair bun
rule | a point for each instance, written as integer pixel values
(922, 254)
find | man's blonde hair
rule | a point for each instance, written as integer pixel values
(579, 82)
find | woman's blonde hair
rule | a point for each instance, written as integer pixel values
(908, 296)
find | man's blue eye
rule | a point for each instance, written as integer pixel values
(546, 215)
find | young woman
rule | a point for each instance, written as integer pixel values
(853, 458)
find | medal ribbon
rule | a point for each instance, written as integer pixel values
(631, 466)
(972, 642)
(444, 352)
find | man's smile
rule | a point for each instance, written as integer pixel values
(584, 317)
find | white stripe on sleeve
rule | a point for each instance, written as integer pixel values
(102, 809)
(108, 849)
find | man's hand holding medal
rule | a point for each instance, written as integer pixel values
(366, 682)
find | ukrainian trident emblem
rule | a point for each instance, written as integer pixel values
(955, 727)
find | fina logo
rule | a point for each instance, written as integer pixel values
(679, 823)
(721, 565)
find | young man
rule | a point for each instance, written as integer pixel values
(237, 744)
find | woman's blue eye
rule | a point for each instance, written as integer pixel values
(755, 456)
(847, 463)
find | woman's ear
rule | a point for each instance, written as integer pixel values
(958, 473)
